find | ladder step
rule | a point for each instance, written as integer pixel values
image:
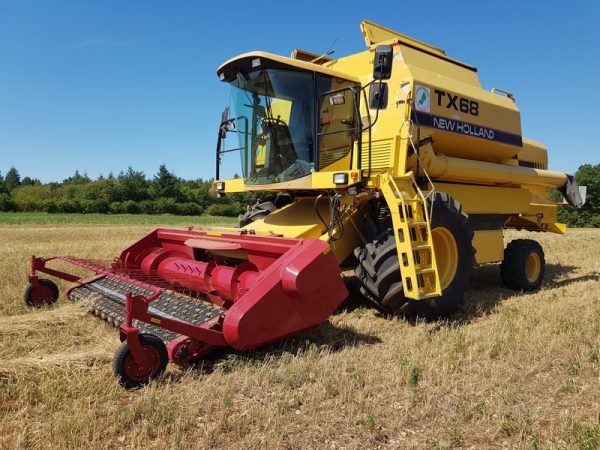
(427, 295)
(419, 271)
(421, 247)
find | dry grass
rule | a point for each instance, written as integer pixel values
(511, 371)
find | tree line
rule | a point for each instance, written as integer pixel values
(129, 192)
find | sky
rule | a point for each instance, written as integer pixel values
(98, 86)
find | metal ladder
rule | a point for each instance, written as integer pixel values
(416, 256)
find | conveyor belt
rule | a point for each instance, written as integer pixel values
(107, 297)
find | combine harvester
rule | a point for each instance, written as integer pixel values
(393, 162)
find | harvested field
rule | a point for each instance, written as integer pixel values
(512, 370)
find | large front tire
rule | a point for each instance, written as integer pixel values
(379, 272)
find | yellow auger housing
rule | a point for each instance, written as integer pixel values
(399, 159)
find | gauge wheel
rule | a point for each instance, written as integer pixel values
(44, 293)
(134, 374)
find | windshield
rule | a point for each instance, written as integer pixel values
(274, 111)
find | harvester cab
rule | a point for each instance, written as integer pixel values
(394, 163)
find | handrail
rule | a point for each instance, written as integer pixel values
(502, 91)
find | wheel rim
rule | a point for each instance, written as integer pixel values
(533, 265)
(446, 255)
(148, 368)
(41, 295)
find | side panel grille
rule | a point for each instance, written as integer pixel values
(380, 154)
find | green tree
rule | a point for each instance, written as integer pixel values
(77, 178)
(32, 198)
(134, 185)
(12, 179)
(6, 202)
(27, 181)
(165, 185)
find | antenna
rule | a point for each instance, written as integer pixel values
(327, 53)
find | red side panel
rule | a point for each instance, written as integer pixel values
(300, 290)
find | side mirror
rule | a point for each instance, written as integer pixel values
(227, 124)
(378, 96)
(224, 120)
(225, 115)
(382, 64)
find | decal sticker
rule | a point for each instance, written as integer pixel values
(467, 129)
(457, 103)
(423, 99)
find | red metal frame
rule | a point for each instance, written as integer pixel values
(182, 350)
(270, 287)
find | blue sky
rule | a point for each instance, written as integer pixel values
(101, 85)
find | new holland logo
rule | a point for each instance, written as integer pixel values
(423, 98)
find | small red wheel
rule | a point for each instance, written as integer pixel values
(44, 292)
(134, 374)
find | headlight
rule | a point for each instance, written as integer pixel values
(340, 178)
(220, 186)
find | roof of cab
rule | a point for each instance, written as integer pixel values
(243, 62)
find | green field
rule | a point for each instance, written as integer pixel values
(24, 218)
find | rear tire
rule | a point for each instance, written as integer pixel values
(379, 272)
(523, 266)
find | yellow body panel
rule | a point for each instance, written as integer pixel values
(314, 181)
(375, 34)
(488, 199)
(300, 220)
(295, 221)
(489, 246)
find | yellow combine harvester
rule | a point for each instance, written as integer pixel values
(393, 162)
(399, 159)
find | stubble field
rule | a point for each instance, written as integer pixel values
(512, 370)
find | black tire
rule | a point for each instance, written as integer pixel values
(256, 212)
(35, 298)
(514, 267)
(377, 269)
(379, 272)
(124, 367)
